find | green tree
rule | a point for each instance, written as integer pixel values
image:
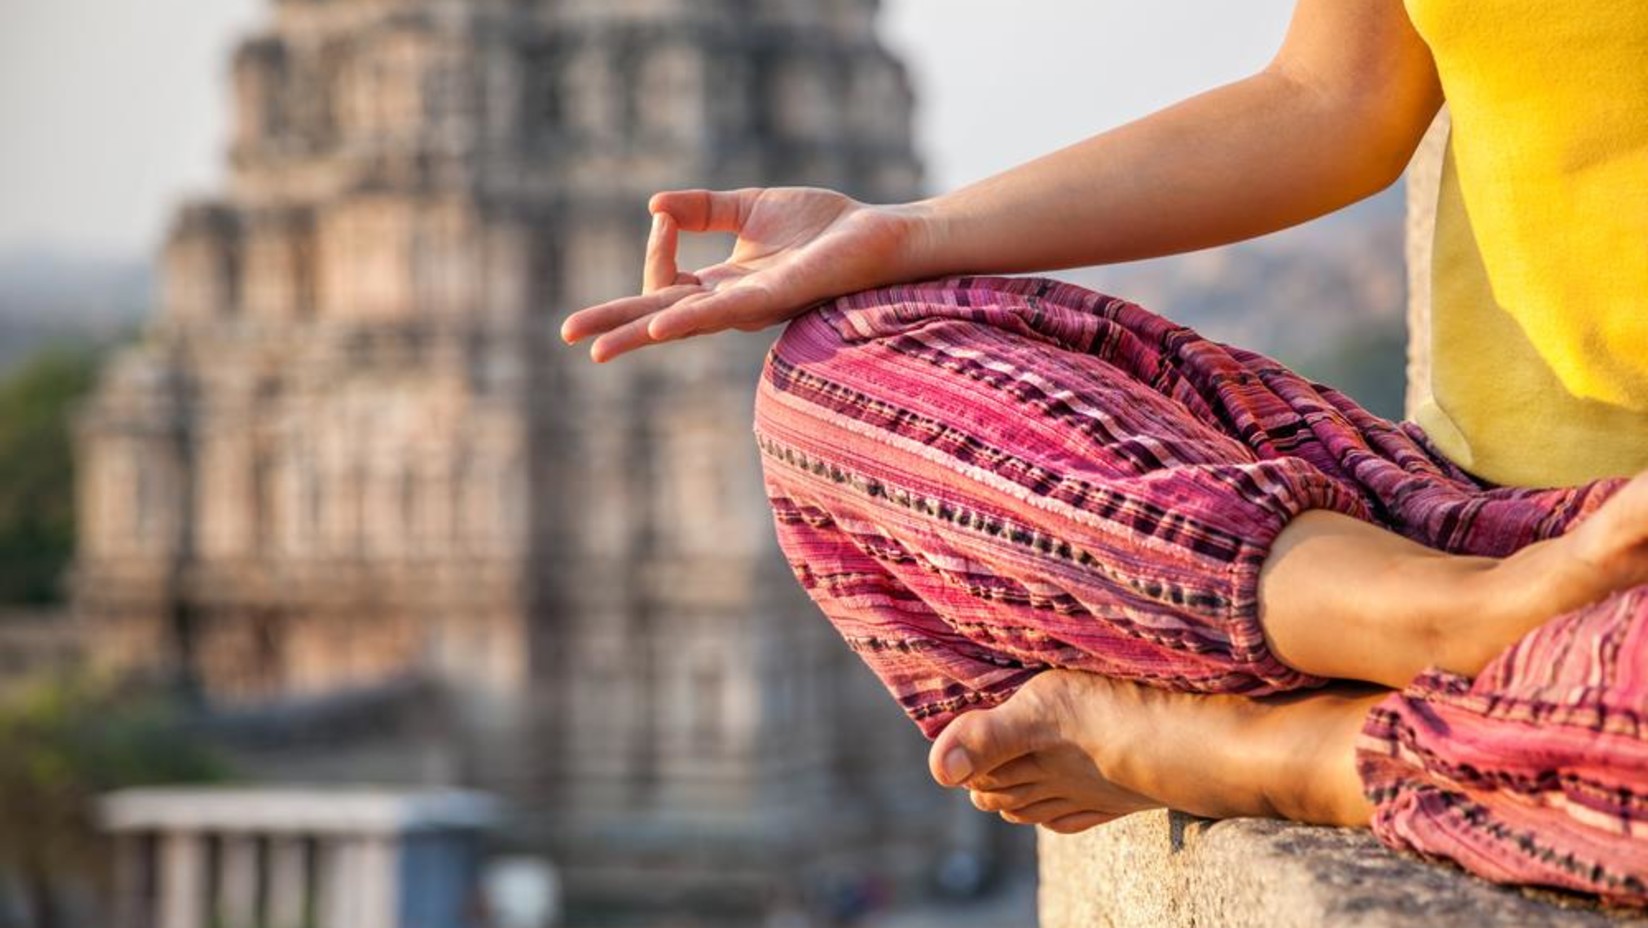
(37, 473)
(64, 742)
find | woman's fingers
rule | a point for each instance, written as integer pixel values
(660, 270)
(698, 314)
(626, 324)
(717, 274)
(621, 340)
(674, 304)
(706, 210)
(716, 310)
(608, 316)
(630, 336)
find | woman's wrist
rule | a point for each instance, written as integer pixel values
(952, 236)
(924, 251)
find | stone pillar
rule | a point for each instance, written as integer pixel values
(182, 880)
(288, 883)
(377, 858)
(237, 884)
(337, 883)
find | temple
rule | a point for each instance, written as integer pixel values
(351, 464)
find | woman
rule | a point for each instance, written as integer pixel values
(1171, 572)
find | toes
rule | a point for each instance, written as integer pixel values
(981, 741)
(1077, 821)
(1047, 810)
(1028, 805)
(1006, 800)
(1018, 772)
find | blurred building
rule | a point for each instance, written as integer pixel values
(36, 644)
(285, 858)
(353, 492)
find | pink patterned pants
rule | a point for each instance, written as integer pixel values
(980, 479)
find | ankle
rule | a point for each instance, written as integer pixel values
(1238, 754)
(1192, 752)
(1310, 746)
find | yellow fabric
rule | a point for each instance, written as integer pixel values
(1539, 328)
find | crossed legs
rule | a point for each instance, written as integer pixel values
(1339, 598)
(1153, 560)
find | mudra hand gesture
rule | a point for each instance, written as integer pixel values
(796, 246)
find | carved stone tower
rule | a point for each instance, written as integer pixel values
(351, 452)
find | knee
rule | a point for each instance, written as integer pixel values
(856, 356)
(834, 337)
(782, 412)
(800, 340)
(982, 310)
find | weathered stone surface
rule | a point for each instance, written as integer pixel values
(1162, 869)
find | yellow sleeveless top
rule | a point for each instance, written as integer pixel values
(1539, 331)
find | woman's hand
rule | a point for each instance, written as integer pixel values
(796, 247)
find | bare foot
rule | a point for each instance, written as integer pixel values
(1071, 750)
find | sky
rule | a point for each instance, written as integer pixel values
(112, 110)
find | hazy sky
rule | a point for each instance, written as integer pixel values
(112, 109)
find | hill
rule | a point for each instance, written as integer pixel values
(59, 298)
(1327, 298)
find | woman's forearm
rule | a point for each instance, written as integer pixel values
(1333, 118)
(1242, 160)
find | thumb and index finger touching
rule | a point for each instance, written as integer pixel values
(677, 211)
(673, 212)
(705, 210)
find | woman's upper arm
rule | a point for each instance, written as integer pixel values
(1372, 68)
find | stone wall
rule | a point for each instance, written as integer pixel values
(1170, 870)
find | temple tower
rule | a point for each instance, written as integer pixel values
(351, 455)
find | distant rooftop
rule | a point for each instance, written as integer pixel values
(296, 809)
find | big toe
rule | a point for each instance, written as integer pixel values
(980, 741)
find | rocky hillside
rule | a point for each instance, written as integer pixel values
(55, 298)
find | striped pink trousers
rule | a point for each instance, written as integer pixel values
(983, 478)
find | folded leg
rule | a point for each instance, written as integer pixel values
(983, 478)
(1536, 771)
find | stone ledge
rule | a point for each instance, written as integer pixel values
(1163, 869)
